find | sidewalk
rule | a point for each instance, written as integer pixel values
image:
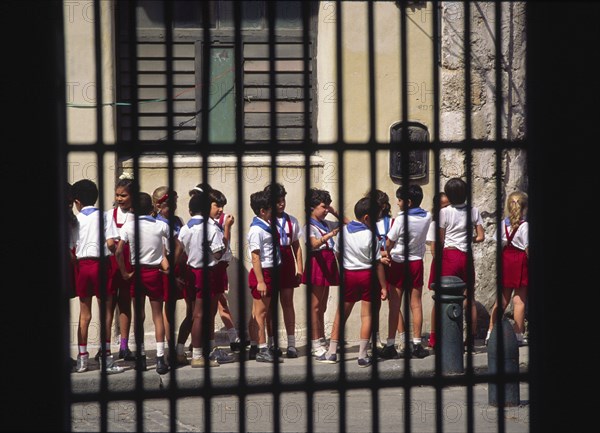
(291, 371)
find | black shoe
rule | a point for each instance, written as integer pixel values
(252, 352)
(388, 352)
(267, 355)
(161, 365)
(419, 351)
(404, 353)
(278, 352)
(236, 346)
(126, 355)
(365, 362)
(291, 352)
(140, 363)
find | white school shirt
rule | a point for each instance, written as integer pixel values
(88, 238)
(152, 235)
(358, 249)
(191, 236)
(453, 218)
(122, 217)
(262, 240)
(381, 229)
(285, 237)
(418, 226)
(521, 237)
(227, 255)
(317, 232)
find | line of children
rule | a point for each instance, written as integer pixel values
(281, 248)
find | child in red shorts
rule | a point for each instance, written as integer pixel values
(358, 265)
(152, 236)
(264, 249)
(89, 269)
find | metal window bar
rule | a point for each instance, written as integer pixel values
(206, 149)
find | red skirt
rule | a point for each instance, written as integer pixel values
(287, 275)
(117, 283)
(324, 269)
(454, 264)
(515, 268)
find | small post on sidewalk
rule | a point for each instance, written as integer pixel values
(510, 360)
(450, 295)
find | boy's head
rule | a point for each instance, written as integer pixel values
(85, 192)
(363, 208)
(315, 197)
(216, 196)
(199, 204)
(456, 190)
(276, 190)
(412, 196)
(260, 200)
(145, 204)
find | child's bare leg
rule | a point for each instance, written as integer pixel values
(261, 306)
(365, 328)
(225, 312)
(416, 309)
(338, 322)
(316, 314)
(123, 300)
(85, 317)
(185, 327)
(157, 319)
(394, 314)
(519, 309)
(289, 314)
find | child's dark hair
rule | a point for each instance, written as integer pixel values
(456, 191)
(145, 204)
(127, 183)
(362, 207)
(85, 191)
(315, 197)
(198, 204)
(383, 202)
(216, 196)
(201, 187)
(276, 190)
(71, 218)
(260, 200)
(413, 192)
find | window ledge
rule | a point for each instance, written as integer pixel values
(195, 161)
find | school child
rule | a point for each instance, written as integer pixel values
(152, 236)
(119, 214)
(409, 201)
(515, 270)
(203, 208)
(88, 254)
(73, 234)
(264, 249)
(442, 200)
(324, 268)
(292, 265)
(223, 309)
(453, 236)
(165, 205)
(382, 228)
(358, 266)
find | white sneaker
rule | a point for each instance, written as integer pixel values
(82, 363)
(319, 351)
(111, 367)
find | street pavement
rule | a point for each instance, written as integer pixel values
(226, 412)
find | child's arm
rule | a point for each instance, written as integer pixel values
(112, 245)
(299, 260)
(333, 212)
(479, 234)
(229, 220)
(382, 282)
(257, 267)
(121, 261)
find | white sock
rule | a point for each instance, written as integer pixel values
(160, 348)
(262, 346)
(315, 344)
(391, 342)
(83, 349)
(416, 340)
(291, 340)
(196, 353)
(323, 341)
(333, 344)
(362, 348)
